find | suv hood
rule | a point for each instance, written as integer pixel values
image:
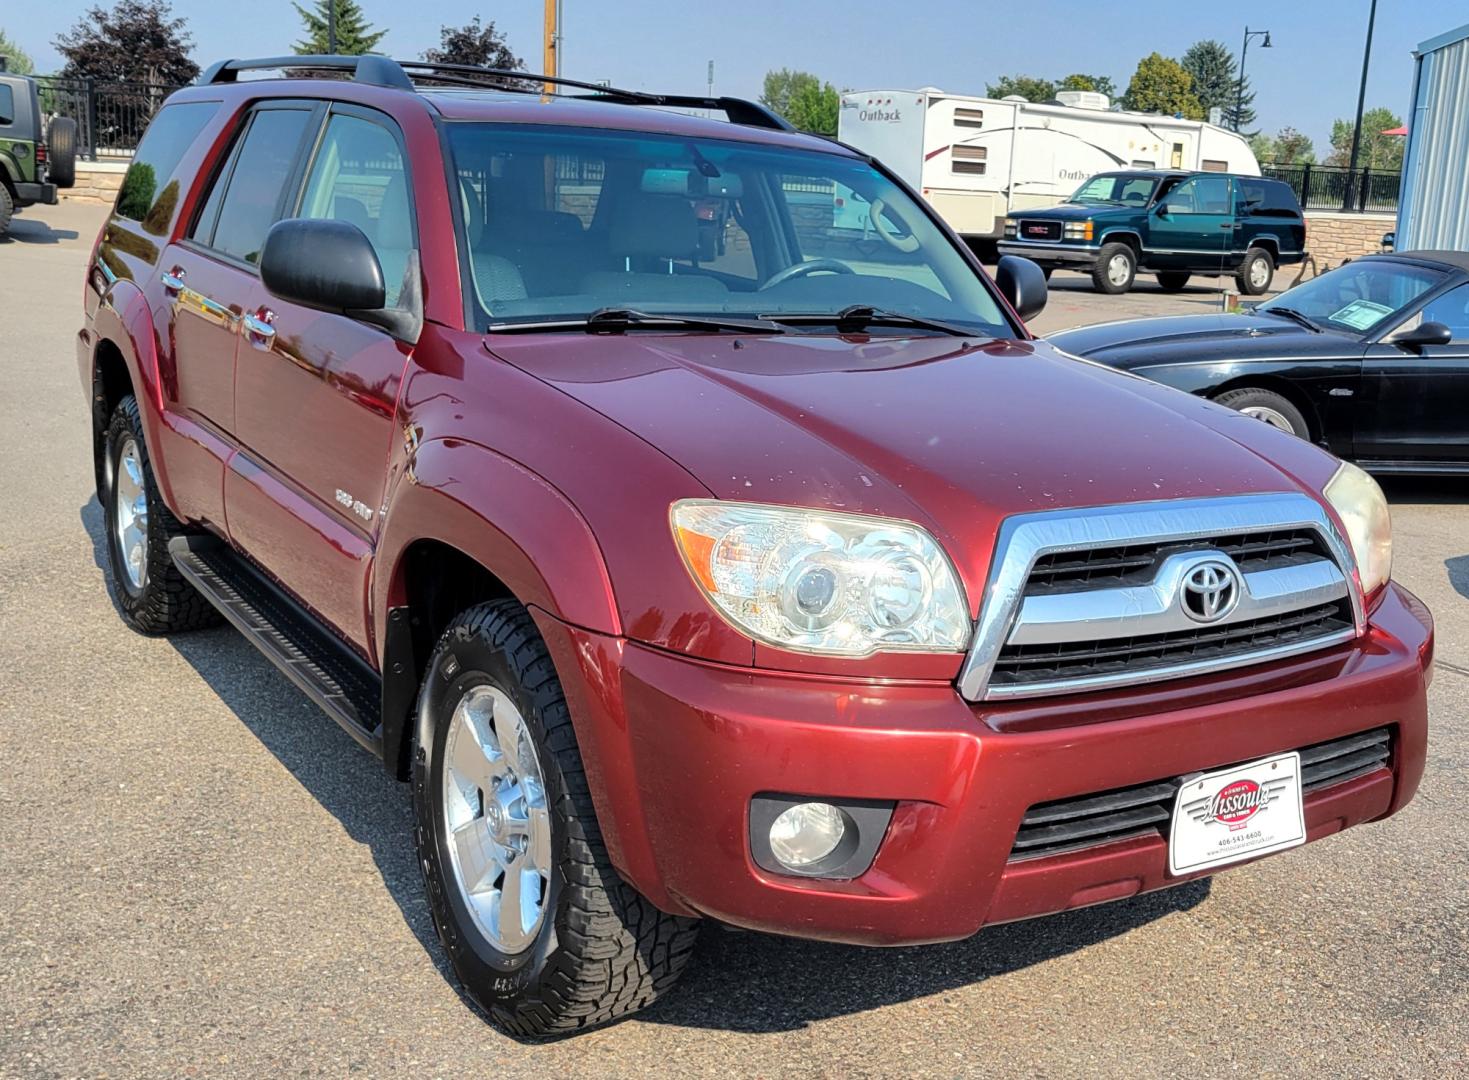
(1075, 212)
(953, 434)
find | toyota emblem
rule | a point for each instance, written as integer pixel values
(1210, 590)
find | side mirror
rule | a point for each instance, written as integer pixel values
(330, 265)
(1424, 334)
(1389, 240)
(1023, 283)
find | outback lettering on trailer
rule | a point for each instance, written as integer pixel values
(875, 110)
(1235, 804)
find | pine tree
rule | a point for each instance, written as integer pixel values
(354, 35)
(1216, 83)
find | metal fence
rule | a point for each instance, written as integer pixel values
(111, 116)
(1335, 187)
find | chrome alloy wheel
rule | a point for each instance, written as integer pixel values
(1118, 269)
(495, 819)
(1270, 416)
(130, 513)
(1259, 273)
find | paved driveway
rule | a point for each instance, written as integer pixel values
(201, 875)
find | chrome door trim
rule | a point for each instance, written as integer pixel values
(1024, 538)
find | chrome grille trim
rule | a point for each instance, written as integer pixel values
(1025, 538)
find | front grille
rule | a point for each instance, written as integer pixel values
(1146, 809)
(1021, 664)
(1135, 564)
(1040, 230)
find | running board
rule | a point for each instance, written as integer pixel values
(293, 640)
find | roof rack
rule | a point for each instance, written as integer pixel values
(402, 74)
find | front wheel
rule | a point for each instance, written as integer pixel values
(1269, 407)
(1256, 272)
(1116, 267)
(537, 924)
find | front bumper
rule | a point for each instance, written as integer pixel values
(30, 194)
(676, 749)
(1073, 256)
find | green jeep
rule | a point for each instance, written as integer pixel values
(31, 169)
(1171, 223)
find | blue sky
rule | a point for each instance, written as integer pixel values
(1305, 81)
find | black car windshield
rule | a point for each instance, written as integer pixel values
(1116, 189)
(1360, 296)
(560, 222)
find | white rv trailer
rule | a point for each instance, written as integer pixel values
(975, 159)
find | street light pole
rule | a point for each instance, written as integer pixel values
(1244, 50)
(1361, 100)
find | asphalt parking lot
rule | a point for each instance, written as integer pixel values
(200, 874)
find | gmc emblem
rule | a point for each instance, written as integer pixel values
(1036, 230)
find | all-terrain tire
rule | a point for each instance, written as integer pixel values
(1256, 272)
(7, 208)
(1115, 269)
(1172, 280)
(61, 152)
(1275, 410)
(601, 950)
(165, 602)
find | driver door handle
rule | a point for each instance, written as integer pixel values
(258, 329)
(173, 281)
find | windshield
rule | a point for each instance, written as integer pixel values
(1116, 189)
(560, 222)
(1360, 296)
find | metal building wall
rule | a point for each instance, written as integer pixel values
(1434, 208)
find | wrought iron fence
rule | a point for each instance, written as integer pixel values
(111, 116)
(1335, 187)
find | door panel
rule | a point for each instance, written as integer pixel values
(316, 393)
(1192, 227)
(1417, 404)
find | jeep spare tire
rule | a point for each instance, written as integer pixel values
(61, 152)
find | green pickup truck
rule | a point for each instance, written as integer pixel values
(31, 168)
(1174, 224)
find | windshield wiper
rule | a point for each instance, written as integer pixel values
(612, 320)
(858, 317)
(1293, 315)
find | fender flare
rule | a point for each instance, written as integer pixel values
(495, 512)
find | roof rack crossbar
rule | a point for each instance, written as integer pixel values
(400, 74)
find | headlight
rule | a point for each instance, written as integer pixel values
(1010, 227)
(843, 584)
(1078, 230)
(1356, 497)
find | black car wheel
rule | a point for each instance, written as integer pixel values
(1172, 280)
(1116, 267)
(61, 152)
(7, 208)
(1267, 406)
(538, 926)
(1255, 272)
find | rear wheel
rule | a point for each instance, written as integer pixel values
(537, 924)
(7, 209)
(1172, 280)
(1116, 267)
(1256, 272)
(1269, 407)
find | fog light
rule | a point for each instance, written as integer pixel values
(806, 833)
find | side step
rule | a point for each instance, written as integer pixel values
(312, 657)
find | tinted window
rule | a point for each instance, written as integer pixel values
(263, 164)
(7, 105)
(1267, 198)
(149, 193)
(358, 176)
(1200, 195)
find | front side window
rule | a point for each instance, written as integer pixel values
(1116, 189)
(559, 222)
(247, 196)
(1359, 297)
(1200, 195)
(358, 177)
(1451, 309)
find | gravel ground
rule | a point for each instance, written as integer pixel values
(201, 875)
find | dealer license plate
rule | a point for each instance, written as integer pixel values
(1239, 813)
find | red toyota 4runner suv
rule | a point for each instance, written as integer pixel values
(695, 557)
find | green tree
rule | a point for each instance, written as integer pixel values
(354, 35)
(1101, 84)
(1216, 83)
(803, 99)
(138, 41)
(1026, 86)
(1378, 151)
(483, 46)
(1160, 85)
(17, 59)
(1287, 147)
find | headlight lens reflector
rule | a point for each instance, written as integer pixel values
(1358, 500)
(842, 584)
(806, 833)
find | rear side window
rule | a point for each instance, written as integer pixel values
(359, 177)
(248, 194)
(149, 191)
(1268, 198)
(7, 105)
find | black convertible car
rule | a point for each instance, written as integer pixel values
(1371, 359)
